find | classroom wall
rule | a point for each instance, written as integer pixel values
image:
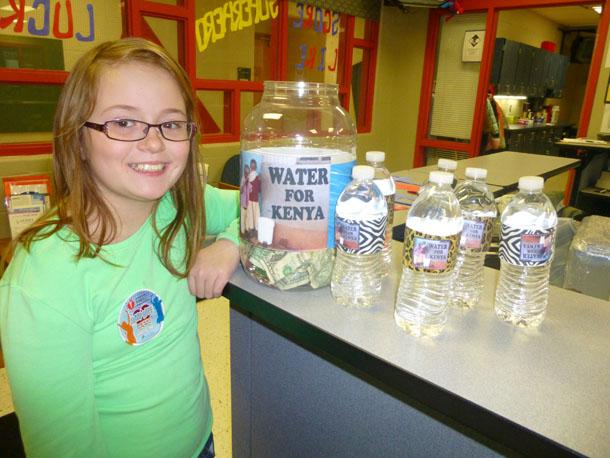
(400, 59)
(527, 27)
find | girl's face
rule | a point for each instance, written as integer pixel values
(132, 175)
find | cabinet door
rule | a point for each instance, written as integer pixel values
(536, 86)
(515, 142)
(553, 75)
(506, 79)
(547, 62)
(524, 65)
(562, 67)
(531, 142)
(497, 62)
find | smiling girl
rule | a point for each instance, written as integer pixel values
(97, 308)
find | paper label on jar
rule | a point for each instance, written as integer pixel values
(522, 247)
(287, 198)
(476, 234)
(429, 253)
(360, 237)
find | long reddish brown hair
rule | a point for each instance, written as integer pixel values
(78, 199)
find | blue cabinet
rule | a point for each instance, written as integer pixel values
(520, 69)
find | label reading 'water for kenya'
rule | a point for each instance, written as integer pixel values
(476, 234)
(360, 237)
(526, 247)
(288, 197)
(430, 253)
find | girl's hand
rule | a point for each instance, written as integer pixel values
(213, 268)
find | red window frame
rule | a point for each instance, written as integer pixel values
(134, 12)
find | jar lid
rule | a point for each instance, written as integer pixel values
(531, 183)
(475, 173)
(447, 164)
(375, 156)
(363, 172)
(438, 177)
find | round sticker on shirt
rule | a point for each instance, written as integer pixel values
(141, 317)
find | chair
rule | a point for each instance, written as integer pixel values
(230, 172)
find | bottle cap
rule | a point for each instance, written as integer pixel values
(439, 177)
(531, 183)
(363, 172)
(375, 156)
(474, 173)
(447, 164)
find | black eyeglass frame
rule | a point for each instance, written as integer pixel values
(104, 128)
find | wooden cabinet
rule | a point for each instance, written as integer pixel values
(520, 69)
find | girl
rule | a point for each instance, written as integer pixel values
(98, 327)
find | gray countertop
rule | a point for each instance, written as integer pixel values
(554, 381)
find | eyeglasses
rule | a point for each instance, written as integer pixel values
(130, 130)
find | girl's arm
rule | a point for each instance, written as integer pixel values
(216, 263)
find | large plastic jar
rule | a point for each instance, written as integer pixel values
(298, 147)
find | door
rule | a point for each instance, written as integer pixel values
(461, 100)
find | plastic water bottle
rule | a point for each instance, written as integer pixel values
(479, 212)
(443, 165)
(432, 235)
(360, 225)
(386, 185)
(449, 166)
(526, 249)
(446, 165)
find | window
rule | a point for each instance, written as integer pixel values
(38, 47)
(228, 48)
(315, 35)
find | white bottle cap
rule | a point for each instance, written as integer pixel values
(447, 164)
(531, 183)
(474, 173)
(375, 156)
(438, 177)
(363, 172)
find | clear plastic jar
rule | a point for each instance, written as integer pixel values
(298, 147)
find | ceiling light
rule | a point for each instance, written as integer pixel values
(504, 97)
(26, 9)
(597, 9)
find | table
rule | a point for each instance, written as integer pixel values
(419, 178)
(505, 168)
(593, 154)
(312, 378)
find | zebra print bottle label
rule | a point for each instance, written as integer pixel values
(430, 253)
(521, 247)
(360, 237)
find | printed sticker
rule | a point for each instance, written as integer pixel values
(141, 317)
(476, 234)
(429, 253)
(526, 247)
(360, 237)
